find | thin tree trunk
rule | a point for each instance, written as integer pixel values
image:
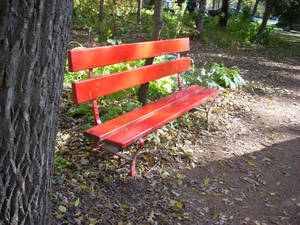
(101, 11)
(33, 40)
(201, 16)
(139, 12)
(158, 26)
(267, 13)
(219, 2)
(213, 4)
(255, 7)
(224, 14)
(239, 5)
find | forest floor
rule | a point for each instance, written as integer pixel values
(244, 170)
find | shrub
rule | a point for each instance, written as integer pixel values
(215, 76)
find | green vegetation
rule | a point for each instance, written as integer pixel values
(120, 22)
(216, 76)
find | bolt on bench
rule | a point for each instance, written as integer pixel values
(120, 132)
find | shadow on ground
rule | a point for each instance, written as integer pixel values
(258, 188)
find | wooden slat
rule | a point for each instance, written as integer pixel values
(104, 130)
(107, 84)
(88, 58)
(144, 127)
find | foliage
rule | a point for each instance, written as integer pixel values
(60, 163)
(240, 31)
(215, 76)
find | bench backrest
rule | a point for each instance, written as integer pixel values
(89, 58)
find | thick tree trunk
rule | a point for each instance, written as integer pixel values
(224, 14)
(255, 7)
(201, 16)
(239, 5)
(33, 40)
(139, 12)
(158, 26)
(101, 10)
(267, 13)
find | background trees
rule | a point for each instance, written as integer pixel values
(33, 40)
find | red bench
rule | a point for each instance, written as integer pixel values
(118, 133)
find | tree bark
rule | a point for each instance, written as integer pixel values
(224, 14)
(255, 8)
(213, 4)
(158, 26)
(139, 12)
(239, 5)
(201, 16)
(101, 10)
(267, 13)
(33, 40)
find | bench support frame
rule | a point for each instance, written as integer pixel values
(115, 151)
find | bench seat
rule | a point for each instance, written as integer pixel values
(125, 129)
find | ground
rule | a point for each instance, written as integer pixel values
(244, 169)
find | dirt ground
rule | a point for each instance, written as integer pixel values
(244, 170)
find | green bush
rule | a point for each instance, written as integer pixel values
(215, 76)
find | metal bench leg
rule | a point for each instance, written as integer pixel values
(208, 111)
(142, 143)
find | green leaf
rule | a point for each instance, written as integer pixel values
(206, 181)
(77, 202)
(62, 208)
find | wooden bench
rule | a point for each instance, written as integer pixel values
(120, 132)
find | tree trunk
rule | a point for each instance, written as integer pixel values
(158, 26)
(224, 14)
(101, 10)
(213, 4)
(219, 1)
(255, 7)
(33, 40)
(201, 16)
(239, 5)
(267, 13)
(139, 12)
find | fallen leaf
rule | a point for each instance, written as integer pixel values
(179, 176)
(62, 208)
(251, 163)
(124, 206)
(77, 202)
(206, 181)
(179, 204)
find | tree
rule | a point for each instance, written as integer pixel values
(239, 5)
(101, 10)
(33, 40)
(267, 13)
(255, 7)
(224, 13)
(201, 15)
(158, 26)
(139, 12)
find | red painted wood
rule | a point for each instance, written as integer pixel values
(144, 127)
(88, 58)
(109, 128)
(93, 88)
(95, 104)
